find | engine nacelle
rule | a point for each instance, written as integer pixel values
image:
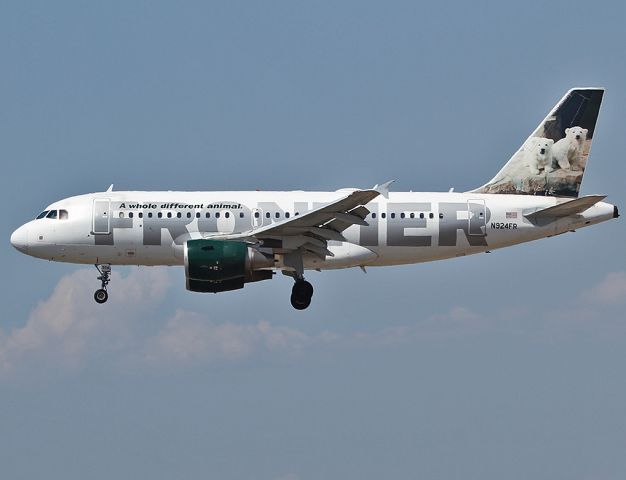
(218, 266)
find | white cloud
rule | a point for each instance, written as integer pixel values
(189, 337)
(69, 330)
(611, 291)
(458, 321)
(69, 325)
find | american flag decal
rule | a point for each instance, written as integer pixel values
(511, 214)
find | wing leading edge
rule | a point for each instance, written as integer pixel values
(312, 230)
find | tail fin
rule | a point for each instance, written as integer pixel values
(552, 160)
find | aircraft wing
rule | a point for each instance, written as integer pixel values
(311, 230)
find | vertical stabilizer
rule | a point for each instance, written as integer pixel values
(552, 160)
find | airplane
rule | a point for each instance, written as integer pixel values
(227, 239)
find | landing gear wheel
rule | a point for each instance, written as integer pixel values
(300, 304)
(101, 295)
(301, 294)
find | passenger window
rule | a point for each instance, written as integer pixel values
(441, 215)
(63, 214)
(373, 215)
(217, 215)
(422, 215)
(297, 213)
(140, 214)
(178, 215)
(277, 214)
(286, 214)
(52, 214)
(227, 214)
(402, 215)
(412, 215)
(267, 214)
(383, 215)
(42, 214)
(130, 214)
(160, 215)
(188, 214)
(393, 215)
(431, 215)
(256, 214)
(169, 214)
(149, 214)
(121, 215)
(197, 214)
(240, 214)
(207, 215)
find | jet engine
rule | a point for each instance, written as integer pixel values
(218, 266)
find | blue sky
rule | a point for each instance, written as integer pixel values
(501, 365)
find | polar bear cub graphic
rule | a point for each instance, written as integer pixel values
(538, 154)
(567, 152)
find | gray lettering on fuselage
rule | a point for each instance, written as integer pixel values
(300, 208)
(396, 236)
(369, 234)
(472, 223)
(450, 224)
(153, 227)
(270, 208)
(177, 227)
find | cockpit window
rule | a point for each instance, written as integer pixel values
(42, 214)
(63, 214)
(52, 214)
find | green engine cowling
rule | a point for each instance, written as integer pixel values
(218, 266)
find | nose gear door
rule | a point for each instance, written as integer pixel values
(102, 216)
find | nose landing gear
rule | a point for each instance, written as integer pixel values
(101, 295)
(301, 294)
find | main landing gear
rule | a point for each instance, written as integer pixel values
(301, 294)
(101, 295)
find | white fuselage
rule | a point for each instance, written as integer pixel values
(151, 228)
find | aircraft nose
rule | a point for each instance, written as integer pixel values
(19, 239)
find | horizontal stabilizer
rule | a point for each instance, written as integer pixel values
(565, 209)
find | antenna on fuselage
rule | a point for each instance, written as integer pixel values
(110, 189)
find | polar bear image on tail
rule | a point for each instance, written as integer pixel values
(538, 154)
(566, 152)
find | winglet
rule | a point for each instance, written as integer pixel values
(110, 189)
(383, 188)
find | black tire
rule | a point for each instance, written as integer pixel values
(300, 303)
(101, 295)
(302, 289)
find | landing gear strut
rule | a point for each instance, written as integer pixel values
(101, 295)
(301, 294)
